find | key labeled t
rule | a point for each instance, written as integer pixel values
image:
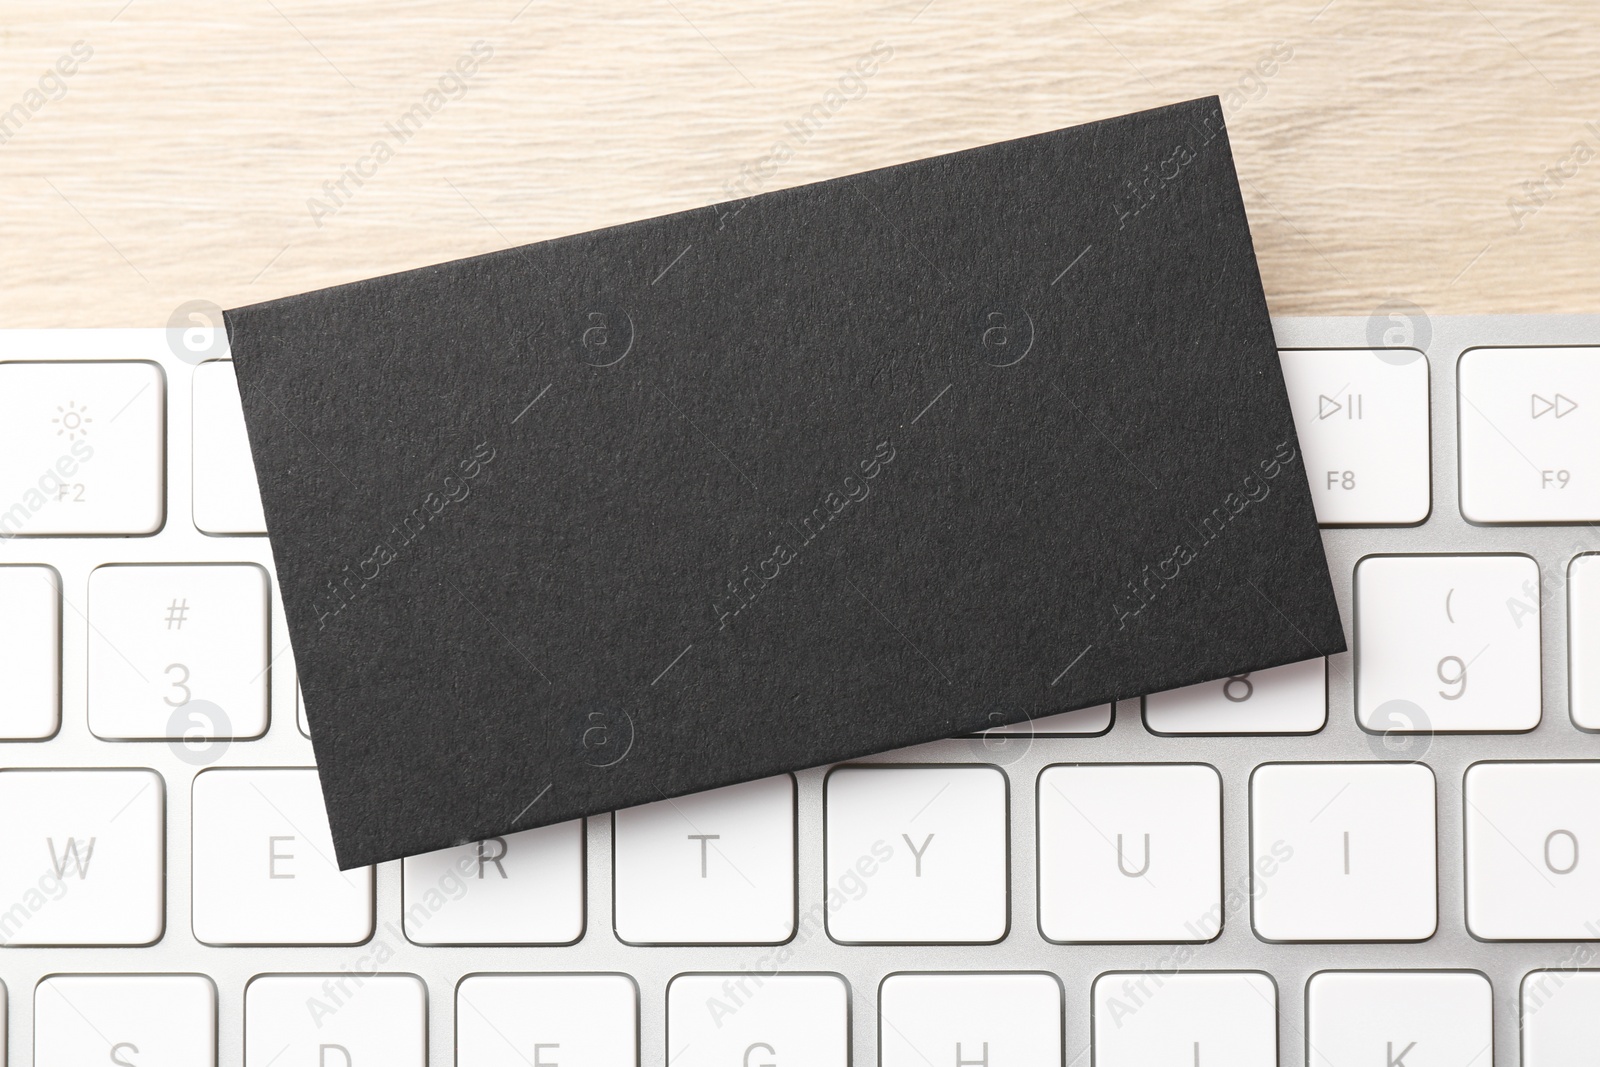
(703, 838)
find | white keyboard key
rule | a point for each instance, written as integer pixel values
(1560, 1017)
(1130, 852)
(226, 499)
(81, 448)
(157, 1019)
(1292, 699)
(747, 1020)
(931, 843)
(300, 711)
(1095, 720)
(713, 868)
(1344, 851)
(1401, 1018)
(346, 1019)
(1530, 434)
(972, 1019)
(1221, 1019)
(1583, 622)
(81, 857)
(178, 651)
(30, 652)
(1454, 638)
(1362, 420)
(548, 1020)
(264, 868)
(1530, 829)
(521, 889)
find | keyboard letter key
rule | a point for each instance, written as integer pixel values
(1533, 851)
(82, 448)
(521, 889)
(751, 1020)
(1530, 434)
(713, 868)
(1560, 1017)
(1400, 1018)
(1343, 851)
(1130, 852)
(348, 1019)
(1447, 643)
(973, 1020)
(1362, 419)
(30, 652)
(1211, 1019)
(138, 1019)
(178, 651)
(264, 871)
(555, 1020)
(81, 858)
(1583, 621)
(934, 840)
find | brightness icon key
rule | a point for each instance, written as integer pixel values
(82, 448)
(71, 420)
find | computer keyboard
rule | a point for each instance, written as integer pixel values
(1385, 858)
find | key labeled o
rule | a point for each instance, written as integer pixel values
(1555, 849)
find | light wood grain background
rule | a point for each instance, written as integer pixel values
(1437, 151)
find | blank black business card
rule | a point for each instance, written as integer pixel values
(812, 475)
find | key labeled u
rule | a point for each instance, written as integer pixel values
(1122, 861)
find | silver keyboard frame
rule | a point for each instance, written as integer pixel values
(864, 967)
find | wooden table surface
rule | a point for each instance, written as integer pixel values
(1443, 152)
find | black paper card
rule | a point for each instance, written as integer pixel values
(817, 474)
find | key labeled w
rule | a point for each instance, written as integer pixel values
(70, 853)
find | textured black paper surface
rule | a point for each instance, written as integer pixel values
(757, 487)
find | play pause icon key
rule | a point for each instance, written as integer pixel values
(1362, 419)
